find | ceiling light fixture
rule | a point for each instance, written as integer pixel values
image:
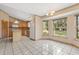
(51, 13)
(16, 22)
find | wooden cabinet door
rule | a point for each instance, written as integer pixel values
(10, 29)
(5, 29)
(24, 28)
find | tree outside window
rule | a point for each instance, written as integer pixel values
(60, 27)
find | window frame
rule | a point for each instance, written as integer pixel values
(47, 26)
(77, 26)
(54, 27)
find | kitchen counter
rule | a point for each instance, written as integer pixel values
(16, 35)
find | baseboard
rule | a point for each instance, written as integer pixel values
(52, 39)
(32, 39)
(0, 37)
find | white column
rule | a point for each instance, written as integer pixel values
(38, 27)
(50, 28)
(32, 27)
(71, 27)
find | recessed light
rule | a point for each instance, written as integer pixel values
(47, 14)
(16, 21)
(52, 11)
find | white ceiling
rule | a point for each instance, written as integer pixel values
(25, 10)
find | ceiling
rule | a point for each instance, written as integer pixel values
(25, 10)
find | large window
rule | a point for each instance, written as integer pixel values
(60, 27)
(77, 26)
(45, 27)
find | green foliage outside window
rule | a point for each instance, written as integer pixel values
(60, 27)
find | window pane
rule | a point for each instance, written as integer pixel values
(45, 28)
(77, 26)
(60, 27)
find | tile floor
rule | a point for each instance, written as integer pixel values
(25, 46)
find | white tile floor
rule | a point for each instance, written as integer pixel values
(40, 47)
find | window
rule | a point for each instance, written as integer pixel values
(60, 27)
(45, 27)
(77, 26)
